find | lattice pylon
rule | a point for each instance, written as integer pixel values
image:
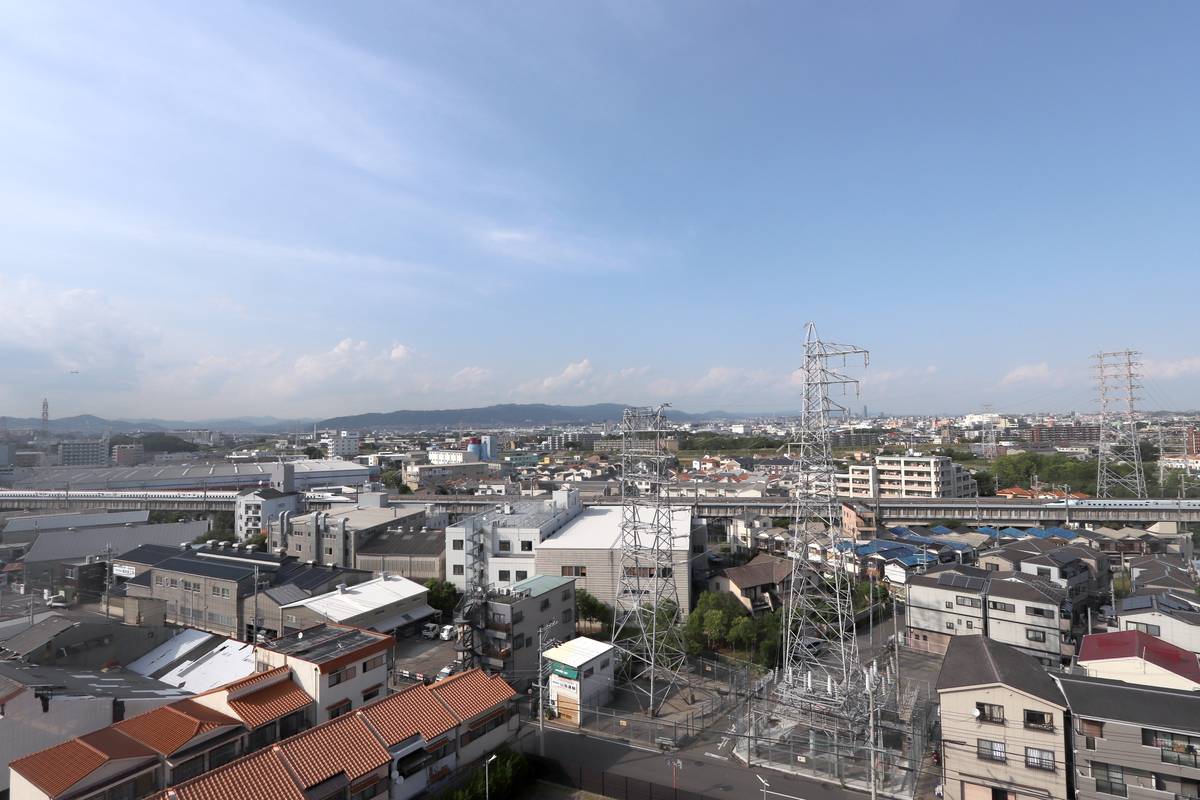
(821, 668)
(1119, 465)
(648, 624)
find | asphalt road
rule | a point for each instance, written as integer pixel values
(700, 773)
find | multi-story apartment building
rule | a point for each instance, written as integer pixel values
(430, 476)
(128, 455)
(907, 476)
(83, 454)
(508, 642)
(253, 510)
(1065, 434)
(1132, 741)
(343, 444)
(1002, 722)
(1009, 607)
(1084, 572)
(510, 534)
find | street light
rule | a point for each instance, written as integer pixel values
(487, 789)
(766, 785)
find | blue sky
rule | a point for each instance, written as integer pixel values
(308, 209)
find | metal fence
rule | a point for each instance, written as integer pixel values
(608, 784)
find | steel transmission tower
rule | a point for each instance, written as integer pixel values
(991, 449)
(821, 669)
(45, 417)
(648, 625)
(1117, 378)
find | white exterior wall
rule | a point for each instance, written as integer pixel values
(1139, 671)
(1175, 631)
(1011, 628)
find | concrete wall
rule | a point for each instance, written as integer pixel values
(963, 766)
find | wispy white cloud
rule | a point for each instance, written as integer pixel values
(1168, 370)
(1027, 373)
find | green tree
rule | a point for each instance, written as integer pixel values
(313, 451)
(1121, 585)
(442, 595)
(987, 483)
(767, 633)
(392, 478)
(741, 633)
(589, 607)
(714, 626)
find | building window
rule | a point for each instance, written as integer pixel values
(505, 575)
(458, 569)
(989, 750)
(526, 546)
(1043, 572)
(567, 614)
(1034, 611)
(1153, 630)
(574, 572)
(970, 625)
(1042, 720)
(290, 618)
(372, 693)
(1110, 779)
(188, 769)
(604, 664)
(973, 602)
(298, 547)
(587, 673)
(949, 605)
(996, 605)
(337, 709)
(456, 544)
(373, 789)
(566, 594)
(292, 724)
(505, 546)
(1036, 758)
(544, 604)
(1035, 635)
(373, 663)
(158, 580)
(988, 712)
(342, 675)
(522, 574)
(174, 583)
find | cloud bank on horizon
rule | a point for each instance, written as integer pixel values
(279, 208)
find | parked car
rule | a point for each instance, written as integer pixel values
(447, 633)
(430, 630)
(58, 601)
(445, 672)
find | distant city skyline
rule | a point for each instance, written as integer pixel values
(297, 210)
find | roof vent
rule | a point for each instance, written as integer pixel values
(341, 587)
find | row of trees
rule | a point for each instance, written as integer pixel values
(1019, 469)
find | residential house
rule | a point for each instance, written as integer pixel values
(388, 604)
(1132, 741)
(759, 585)
(1167, 615)
(1137, 657)
(1002, 724)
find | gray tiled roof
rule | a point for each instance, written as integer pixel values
(1174, 709)
(978, 661)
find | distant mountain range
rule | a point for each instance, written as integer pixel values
(506, 415)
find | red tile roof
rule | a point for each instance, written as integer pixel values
(1135, 644)
(252, 679)
(415, 710)
(264, 771)
(471, 693)
(56, 769)
(344, 745)
(270, 703)
(168, 728)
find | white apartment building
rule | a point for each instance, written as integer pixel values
(443, 457)
(907, 476)
(511, 533)
(343, 444)
(253, 510)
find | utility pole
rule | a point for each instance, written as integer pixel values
(896, 650)
(108, 557)
(541, 693)
(254, 622)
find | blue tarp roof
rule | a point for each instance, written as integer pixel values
(916, 558)
(941, 529)
(1061, 533)
(988, 530)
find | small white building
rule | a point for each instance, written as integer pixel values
(253, 510)
(581, 674)
(388, 604)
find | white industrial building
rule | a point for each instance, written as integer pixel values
(513, 532)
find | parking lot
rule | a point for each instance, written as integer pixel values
(423, 656)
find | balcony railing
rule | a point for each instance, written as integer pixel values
(1181, 757)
